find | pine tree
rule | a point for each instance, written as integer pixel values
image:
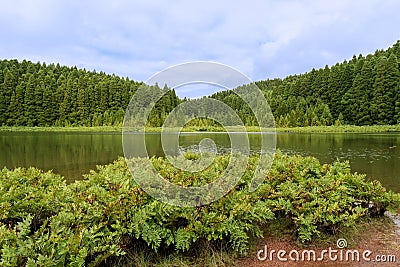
(48, 106)
(383, 100)
(16, 108)
(60, 106)
(29, 102)
(397, 105)
(392, 83)
(38, 96)
(104, 96)
(325, 115)
(3, 105)
(70, 103)
(346, 83)
(82, 113)
(351, 99)
(334, 90)
(339, 120)
(13, 110)
(349, 106)
(378, 105)
(363, 86)
(7, 90)
(324, 85)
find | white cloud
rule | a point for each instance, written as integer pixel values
(138, 38)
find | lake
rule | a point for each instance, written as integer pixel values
(73, 154)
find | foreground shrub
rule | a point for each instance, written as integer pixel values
(323, 197)
(44, 222)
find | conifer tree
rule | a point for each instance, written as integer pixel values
(363, 86)
(392, 83)
(386, 81)
(29, 102)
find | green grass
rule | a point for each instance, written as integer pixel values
(308, 129)
(343, 129)
(60, 129)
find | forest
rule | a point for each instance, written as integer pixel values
(362, 91)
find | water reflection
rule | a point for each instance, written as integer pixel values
(73, 154)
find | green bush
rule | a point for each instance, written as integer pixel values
(323, 197)
(44, 222)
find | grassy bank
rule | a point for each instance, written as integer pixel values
(308, 129)
(107, 219)
(343, 129)
(60, 129)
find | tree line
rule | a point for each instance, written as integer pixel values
(36, 94)
(362, 91)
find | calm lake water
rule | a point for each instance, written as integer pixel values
(73, 154)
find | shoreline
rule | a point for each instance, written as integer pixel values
(307, 129)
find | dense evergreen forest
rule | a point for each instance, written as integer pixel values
(362, 91)
(35, 94)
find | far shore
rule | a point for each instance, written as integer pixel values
(307, 129)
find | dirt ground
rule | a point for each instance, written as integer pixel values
(382, 239)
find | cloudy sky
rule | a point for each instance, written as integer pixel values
(262, 39)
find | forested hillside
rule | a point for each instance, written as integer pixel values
(35, 94)
(362, 91)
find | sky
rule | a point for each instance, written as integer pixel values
(137, 39)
